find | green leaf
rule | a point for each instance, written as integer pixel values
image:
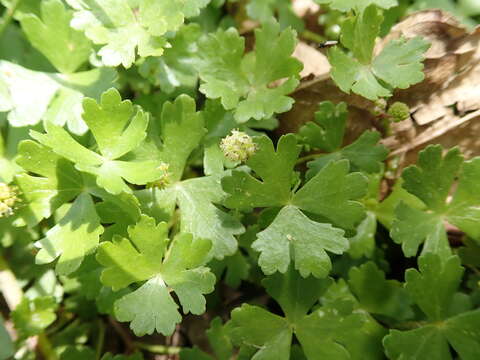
(6, 345)
(433, 288)
(242, 82)
(359, 5)
(349, 74)
(412, 227)
(398, 65)
(66, 48)
(366, 153)
(146, 246)
(32, 317)
(359, 33)
(363, 243)
(77, 234)
(431, 181)
(235, 267)
(295, 294)
(265, 10)
(258, 328)
(126, 28)
(108, 123)
(218, 340)
(52, 97)
(328, 128)
(463, 210)
(149, 308)
(378, 295)
(174, 70)
(425, 342)
(181, 128)
(400, 62)
(136, 356)
(293, 236)
(331, 192)
(139, 259)
(320, 333)
(196, 199)
(442, 280)
(326, 133)
(365, 340)
(274, 168)
(58, 182)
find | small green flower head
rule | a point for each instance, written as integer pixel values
(399, 111)
(238, 146)
(8, 199)
(165, 178)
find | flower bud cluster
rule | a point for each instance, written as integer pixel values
(399, 111)
(8, 199)
(238, 146)
(164, 178)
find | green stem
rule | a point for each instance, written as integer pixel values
(307, 158)
(310, 35)
(45, 348)
(8, 15)
(101, 339)
(159, 349)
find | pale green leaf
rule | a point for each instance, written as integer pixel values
(77, 234)
(66, 48)
(294, 237)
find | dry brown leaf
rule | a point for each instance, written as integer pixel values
(314, 62)
(303, 7)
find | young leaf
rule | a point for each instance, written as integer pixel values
(242, 82)
(328, 128)
(139, 259)
(66, 48)
(326, 133)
